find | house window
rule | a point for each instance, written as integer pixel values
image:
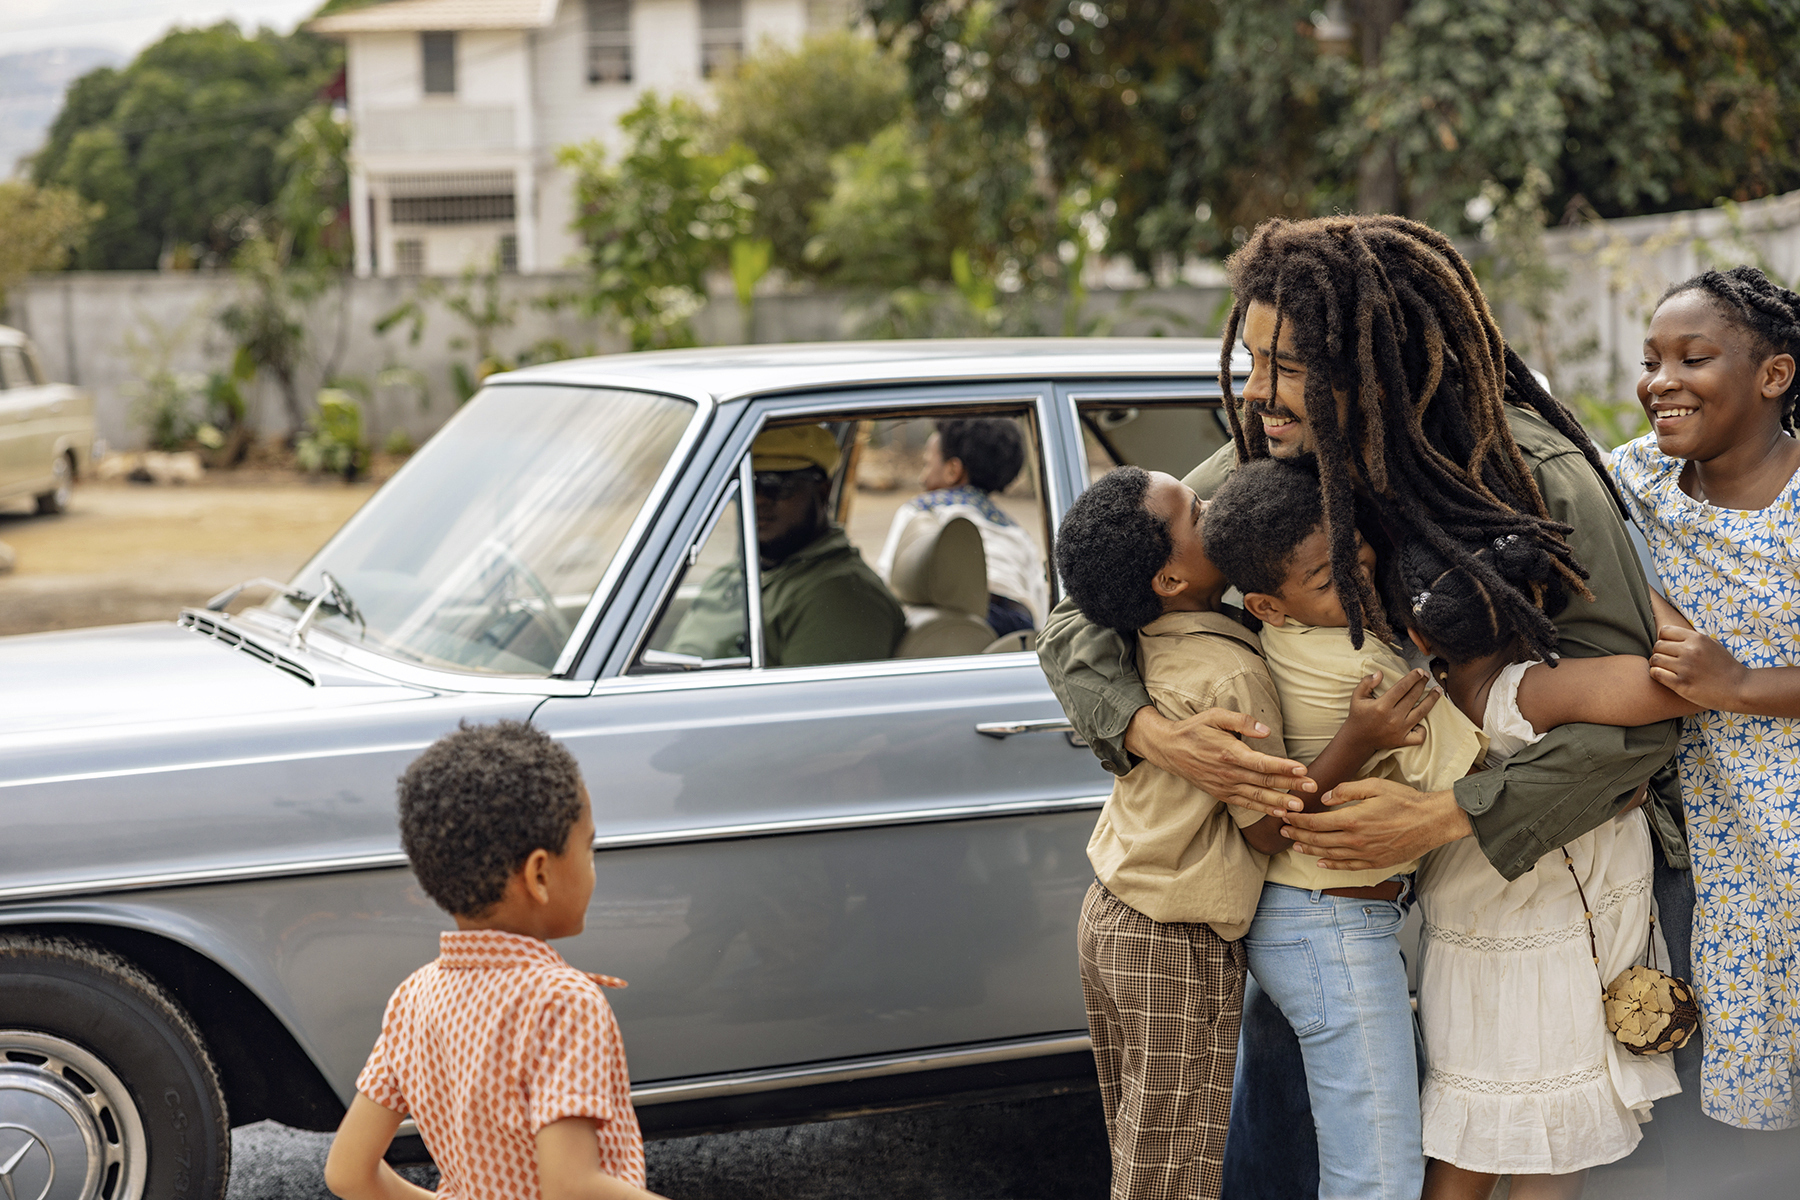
(439, 50)
(450, 210)
(509, 254)
(721, 36)
(609, 41)
(409, 256)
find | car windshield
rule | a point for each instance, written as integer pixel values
(482, 553)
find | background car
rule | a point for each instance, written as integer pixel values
(832, 887)
(46, 429)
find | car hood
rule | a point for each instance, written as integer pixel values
(162, 672)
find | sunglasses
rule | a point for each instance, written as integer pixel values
(780, 485)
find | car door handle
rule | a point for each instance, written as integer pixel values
(1005, 729)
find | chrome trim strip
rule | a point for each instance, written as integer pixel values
(212, 764)
(863, 1068)
(752, 554)
(1152, 396)
(874, 669)
(634, 536)
(394, 858)
(1005, 729)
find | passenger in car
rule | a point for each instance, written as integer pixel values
(966, 461)
(821, 603)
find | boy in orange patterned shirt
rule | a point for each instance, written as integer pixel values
(508, 1058)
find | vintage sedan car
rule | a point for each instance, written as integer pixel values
(832, 887)
(46, 429)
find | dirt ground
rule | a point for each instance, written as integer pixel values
(134, 552)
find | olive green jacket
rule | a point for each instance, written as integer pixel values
(1550, 792)
(823, 604)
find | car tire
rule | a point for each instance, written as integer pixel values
(107, 1091)
(57, 499)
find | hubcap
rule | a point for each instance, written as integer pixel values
(64, 490)
(68, 1127)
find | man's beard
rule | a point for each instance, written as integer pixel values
(784, 546)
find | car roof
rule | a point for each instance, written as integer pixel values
(11, 337)
(733, 372)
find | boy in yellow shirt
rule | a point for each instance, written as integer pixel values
(1324, 944)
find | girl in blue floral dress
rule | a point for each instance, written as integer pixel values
(1714, 488)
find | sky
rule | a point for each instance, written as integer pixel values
(127, 26)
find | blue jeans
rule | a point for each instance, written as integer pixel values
(1332, 966)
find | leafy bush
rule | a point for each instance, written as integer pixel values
(168, 409)
(334, 439)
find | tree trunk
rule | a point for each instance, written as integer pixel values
(1378, 175)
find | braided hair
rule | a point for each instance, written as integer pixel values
(1387, 313)
(1452, 606)
(1759, 306)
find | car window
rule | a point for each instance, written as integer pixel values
(483, 552)
(872, 542)
(706, 624)
(1173, 435)
(13, 371)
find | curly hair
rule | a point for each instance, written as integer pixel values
(1387, 313)
(1109, 549)
(477, 803)
(991, 450)
(1764, 309)
(1452, 607)
(1258, 518)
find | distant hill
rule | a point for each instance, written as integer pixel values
(31, 93)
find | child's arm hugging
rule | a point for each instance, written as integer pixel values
(1389, 721)
(1704, 672)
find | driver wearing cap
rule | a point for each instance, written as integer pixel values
(821, 603)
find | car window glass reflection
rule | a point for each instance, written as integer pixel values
(487, 556)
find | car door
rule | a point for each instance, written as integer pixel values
(828, 863)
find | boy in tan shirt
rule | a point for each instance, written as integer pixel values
(1178, 873)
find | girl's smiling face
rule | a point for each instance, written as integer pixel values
(1705, 386)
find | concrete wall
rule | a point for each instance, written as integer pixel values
(1615, 271)
(107, 331)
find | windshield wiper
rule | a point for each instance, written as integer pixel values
(333, 594)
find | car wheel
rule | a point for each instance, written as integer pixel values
(63, 490)
(106, 1090)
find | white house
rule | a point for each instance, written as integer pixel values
(457, 108)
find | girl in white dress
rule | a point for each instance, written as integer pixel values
(1523, 1078)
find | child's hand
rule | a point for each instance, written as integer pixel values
(1395, 718)
(1697, 669)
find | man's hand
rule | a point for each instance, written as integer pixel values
(1697, 669)
(1205, 751)
(1396, 717)
(1392, 824)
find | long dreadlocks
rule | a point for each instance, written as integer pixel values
(1765, 310)
(1385, 312)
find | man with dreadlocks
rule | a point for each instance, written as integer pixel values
(1374, 353)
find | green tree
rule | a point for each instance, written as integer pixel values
(182, 142)
(796, 108)
(656, 222)
(39, 228)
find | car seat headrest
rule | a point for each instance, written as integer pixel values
(943, 567)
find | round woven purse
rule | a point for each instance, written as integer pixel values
(1649, 1011)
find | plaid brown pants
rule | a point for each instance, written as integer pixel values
(1163, 1006)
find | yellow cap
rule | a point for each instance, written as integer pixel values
(794, 449)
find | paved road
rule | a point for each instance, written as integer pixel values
(1051, 1149)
